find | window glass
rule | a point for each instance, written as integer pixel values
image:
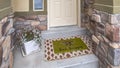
(38, 5)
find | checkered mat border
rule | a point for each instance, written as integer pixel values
(49, 51)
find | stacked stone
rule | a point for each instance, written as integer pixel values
(38, 21)
(6, 55)
(28, 22)
(105, 36)
(86, 10)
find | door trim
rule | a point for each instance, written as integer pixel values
(78, 14)
(48, 16)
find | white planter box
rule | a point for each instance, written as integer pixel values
(30, 47)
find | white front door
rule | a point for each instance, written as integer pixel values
(62, 12)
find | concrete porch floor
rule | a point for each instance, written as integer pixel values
(36, 60)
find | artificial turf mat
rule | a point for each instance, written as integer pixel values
(68, 45)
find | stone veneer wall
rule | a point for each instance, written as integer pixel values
(39, 21)
(6, 31)
(105, 33)
(28, 21)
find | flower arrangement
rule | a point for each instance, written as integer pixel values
(31, 34)
(30, 40)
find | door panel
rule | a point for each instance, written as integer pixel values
(62, 12)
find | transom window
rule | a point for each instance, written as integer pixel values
(38, 5)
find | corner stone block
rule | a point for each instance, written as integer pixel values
(114, 19)
(41, 27)
(96, 18)
(95, 39)
(42, 17)
(35, 23)
(112, 32)
(114, 54)
(104, 17)
(95, 43)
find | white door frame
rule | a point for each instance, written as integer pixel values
(48, 18)
(78, 14)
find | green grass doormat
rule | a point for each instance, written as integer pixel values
(68, 45)
(61, 48)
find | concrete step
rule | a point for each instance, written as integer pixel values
(86, 61)
(36, 60)
(63, 32)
